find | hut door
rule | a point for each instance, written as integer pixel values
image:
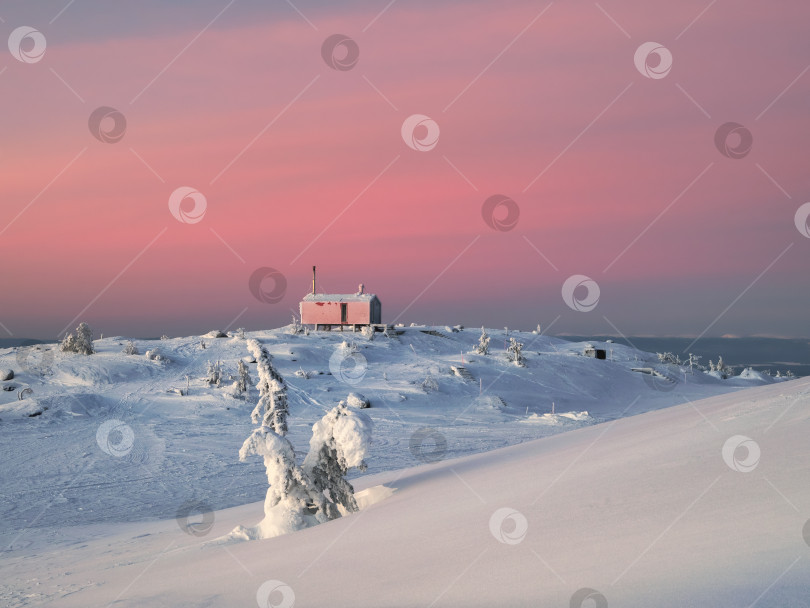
(344, 314)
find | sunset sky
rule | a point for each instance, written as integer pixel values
(615, 175)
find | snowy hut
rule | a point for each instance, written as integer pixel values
(325, 309)
(596, 353)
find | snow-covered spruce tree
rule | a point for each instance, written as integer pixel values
(272, 405)
(483, 343)
(292, 501)
(131, 349)
(340, 441)
(514, 352)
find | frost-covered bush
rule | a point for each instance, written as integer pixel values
(154, 354)
(694, 362)
(514, 352)
(483, 343)
(368, 332)
(131, 349)
(668, 358)
(429, 384)
(81, 342)
(722, 370)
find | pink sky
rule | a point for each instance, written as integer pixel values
(514, 97)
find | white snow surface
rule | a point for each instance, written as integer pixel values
(629, 497)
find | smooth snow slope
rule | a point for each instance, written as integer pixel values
(644, 511)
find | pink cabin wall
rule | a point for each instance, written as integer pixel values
(325, 313)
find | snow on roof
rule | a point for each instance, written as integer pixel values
(339, 297)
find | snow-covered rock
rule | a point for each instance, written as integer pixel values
(357, 400)
(6, 374)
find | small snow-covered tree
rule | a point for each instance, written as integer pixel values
(694, 362)
(515, 352)
(131, 349)
(84, 339)
(81, 342)
(240, 333)
(272, 405)
(214, 373)
(68, 344)
(240, 387)
(295, 326)
(368, 332)
(340, 441)
(483, 343)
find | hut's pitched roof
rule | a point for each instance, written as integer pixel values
(339, 297)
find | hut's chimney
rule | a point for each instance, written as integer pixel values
(362, 289)
(313, 280)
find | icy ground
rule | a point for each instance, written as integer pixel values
(182, 449)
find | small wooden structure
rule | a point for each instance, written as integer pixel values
(596, 353)
(325, 310)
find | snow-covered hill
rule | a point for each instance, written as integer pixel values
(108, 439)
(184, 447)
(702, 504)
